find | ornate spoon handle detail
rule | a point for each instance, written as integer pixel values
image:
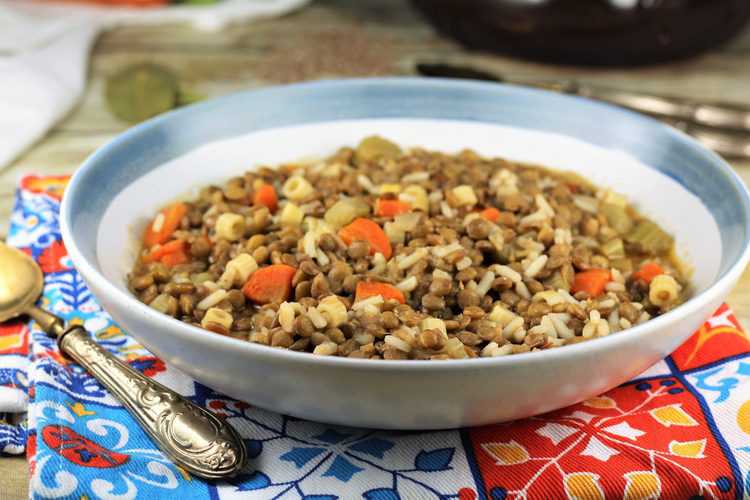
(188, 434)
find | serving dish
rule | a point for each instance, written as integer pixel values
(686, 189)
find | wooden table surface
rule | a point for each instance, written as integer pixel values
(330, 38)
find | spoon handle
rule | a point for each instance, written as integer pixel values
(188, 434)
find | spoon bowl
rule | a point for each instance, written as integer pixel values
(21, 282)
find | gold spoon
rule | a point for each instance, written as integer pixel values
(190, 435)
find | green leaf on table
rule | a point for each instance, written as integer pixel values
(186, 97)
(141, 91)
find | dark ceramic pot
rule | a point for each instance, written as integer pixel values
(593, 32)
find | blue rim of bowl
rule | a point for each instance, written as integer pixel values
(730, 275)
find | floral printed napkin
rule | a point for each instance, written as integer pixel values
(680, 430)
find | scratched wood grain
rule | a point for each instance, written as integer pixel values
(330, 38)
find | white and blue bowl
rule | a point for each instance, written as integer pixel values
(687, 189)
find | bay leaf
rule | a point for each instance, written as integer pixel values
(141, 91)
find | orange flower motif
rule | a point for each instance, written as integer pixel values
(14, 338)
(51, 258)
(583, 486)
(642, 485)
(53, 186)
(718, 338)
(743, 417)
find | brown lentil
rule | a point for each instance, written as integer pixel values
(431, 340)
(433, 302)
(390, 320)
(142, 282)
(440, 286)
(468, 298)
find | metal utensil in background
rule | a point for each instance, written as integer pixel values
(189, 435)
(723, 127)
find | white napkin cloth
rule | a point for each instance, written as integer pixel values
(44, 52)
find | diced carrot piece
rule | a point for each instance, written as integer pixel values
(492, 214)
(160, 251)
(266, 195)
(362, 229)
(175, 258)
(165, 224)
(592, 281)
(371, 288)
(648, 272)
(389, 207)
(270, 284)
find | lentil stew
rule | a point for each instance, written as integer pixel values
(377, 252)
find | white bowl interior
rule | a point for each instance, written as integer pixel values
(656, 195)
